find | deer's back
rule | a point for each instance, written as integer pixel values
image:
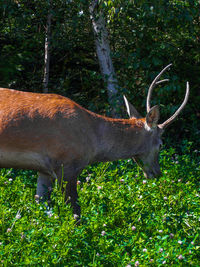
(43, 123)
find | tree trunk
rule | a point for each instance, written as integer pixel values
(47, 54)
(104, 57)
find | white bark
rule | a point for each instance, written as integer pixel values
(104, 53)
(47, 54)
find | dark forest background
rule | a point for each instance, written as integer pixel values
(144, 37)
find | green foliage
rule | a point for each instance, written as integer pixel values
(144, 37)
(125, 218)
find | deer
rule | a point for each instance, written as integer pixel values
(56, 137)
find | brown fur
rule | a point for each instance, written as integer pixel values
(52, 134)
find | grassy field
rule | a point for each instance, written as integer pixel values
(126, 219)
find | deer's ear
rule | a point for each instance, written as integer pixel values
(131, 110)
(153, 116)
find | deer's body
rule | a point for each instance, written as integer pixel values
(57, 137)
(51, 134)
(44, 131)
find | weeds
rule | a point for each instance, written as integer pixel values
(126, 219)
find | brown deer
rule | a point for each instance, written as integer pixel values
(53, 135)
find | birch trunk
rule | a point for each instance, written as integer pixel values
(104, 56)
(47, 54)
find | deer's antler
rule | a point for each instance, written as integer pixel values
(154, 83)
(173, 117)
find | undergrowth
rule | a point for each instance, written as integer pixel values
(126, 220)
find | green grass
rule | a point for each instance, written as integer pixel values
(126, 220)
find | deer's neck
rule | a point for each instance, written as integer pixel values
(119, 139)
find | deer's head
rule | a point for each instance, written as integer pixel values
(152, 131)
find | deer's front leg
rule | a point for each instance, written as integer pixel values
(71, 196)
(69, 187)
(44, 184)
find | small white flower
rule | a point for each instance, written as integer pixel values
(9, 230)
(23, 236)
(151, 260)
(133, 228)
(49, 213)
(121, 180)
(137, 263)
(18, 216)
(160, 231)
(161, 250)
(179, 180)
(180, 257)
(78, 182)
(76, 216)
(104, 225)
(103, 233)
(192, 243)
(97, 254)
(180, 242)
(144, 250)
(128, 265)
(144, 181)
(99, 187)
(1, 243)
(88, 179)
(10, 179)
(164, 262)
(165, 198)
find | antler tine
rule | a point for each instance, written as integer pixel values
(155, 82)
(173, 117)
(162, 81)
